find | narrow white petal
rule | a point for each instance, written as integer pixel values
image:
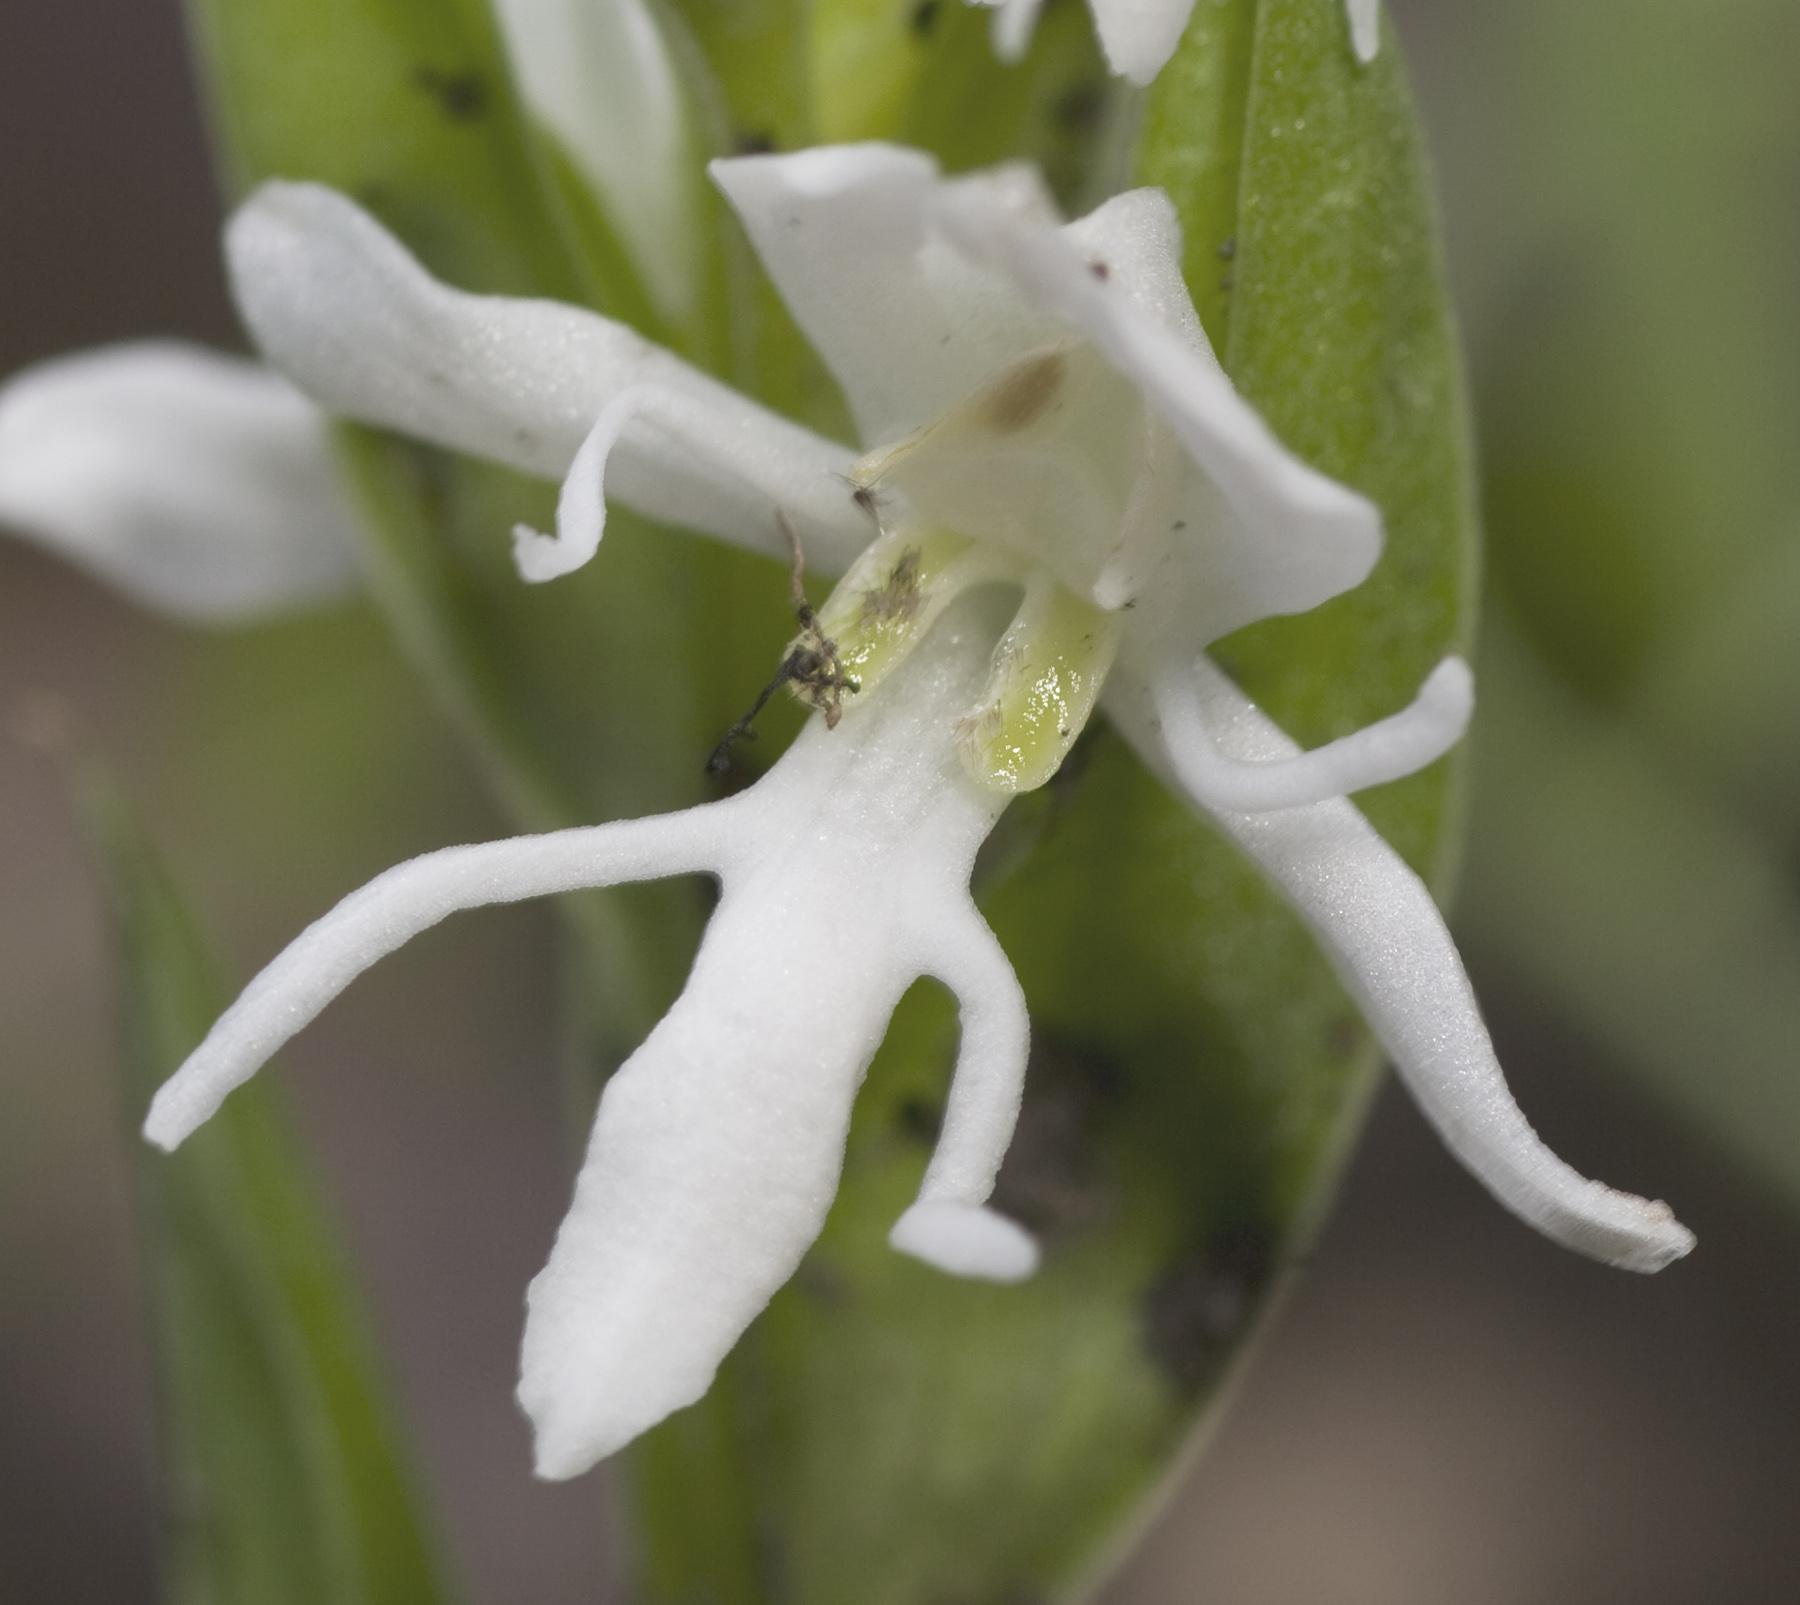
(1398, 745)
(601, 78)
(336, 302)
(948, 1227)
(197, 483)
(395, 907)
(1376, 922)
(1285, 537)
(1139, 36)
(1365, 27)
(906, 325)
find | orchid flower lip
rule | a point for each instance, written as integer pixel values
(975, 346)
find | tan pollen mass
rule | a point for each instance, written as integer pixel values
(1021, 398)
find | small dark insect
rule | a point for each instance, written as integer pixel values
(1101, 270)
(924, 17)
(811, 666)
(753, 142)
(864, 497)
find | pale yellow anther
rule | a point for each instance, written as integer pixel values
(1047, 674)
(894, 593)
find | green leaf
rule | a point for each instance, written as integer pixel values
(283, 1480)
(1197, 1073)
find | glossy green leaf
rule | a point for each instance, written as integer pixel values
(1197, 1073)
(283, 1478)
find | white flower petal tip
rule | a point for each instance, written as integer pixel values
(1365, 28)
(966, 1240)
(1621, 1230)
(1139, 36)
(167, 1126)
(198, 484)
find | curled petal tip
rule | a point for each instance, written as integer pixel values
(539, 557)
(1660, 1241)
(1449, 691)
(966, 1240)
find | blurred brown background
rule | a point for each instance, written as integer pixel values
(1450, 1410)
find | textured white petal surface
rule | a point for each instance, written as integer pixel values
(1398, 745)
(197, 483)
(1376, 922)
(337, 303)
(601, 78)
(1365, 27)
(395, 907)
(1139, 36)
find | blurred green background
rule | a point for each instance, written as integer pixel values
(1450, 1409)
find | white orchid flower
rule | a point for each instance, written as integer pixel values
(1138, 36)
(1059, 494)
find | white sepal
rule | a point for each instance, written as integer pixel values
(197, 483)
(338, 304)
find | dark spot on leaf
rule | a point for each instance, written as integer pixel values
(1054, 1181)
(462, 96)
(1198, 1309)
(1344, 1036)
(920, 1119)
(924, 17)
(1227, 281)
(822, 1283)
(754, 142)
(1078, 107)
(1101, 270)
(1228, 248)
